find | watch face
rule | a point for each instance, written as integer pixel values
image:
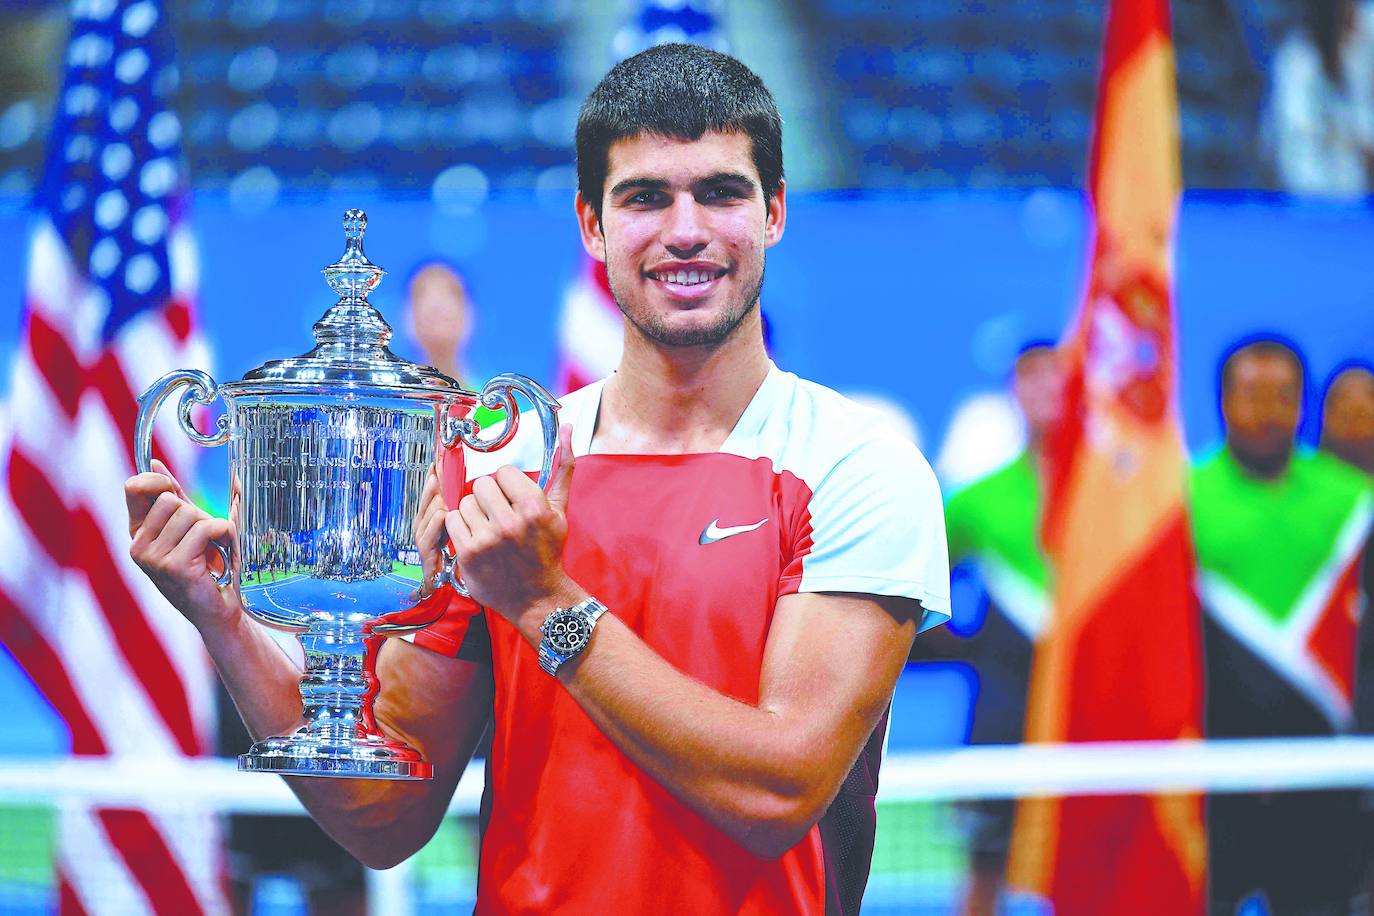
(567, 632)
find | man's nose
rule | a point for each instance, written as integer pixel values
(685, 233)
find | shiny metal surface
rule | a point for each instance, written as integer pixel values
(328, 454)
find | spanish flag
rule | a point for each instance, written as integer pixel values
(1121, 657)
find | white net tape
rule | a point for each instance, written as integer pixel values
(920, 861)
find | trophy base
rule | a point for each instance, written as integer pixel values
(358, 757)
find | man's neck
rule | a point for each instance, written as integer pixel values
(1268, 468)
(679, 400)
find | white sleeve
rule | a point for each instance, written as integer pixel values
(877, 527)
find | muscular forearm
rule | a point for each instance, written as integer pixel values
(757, 773)
(261, 679)
(381, 822)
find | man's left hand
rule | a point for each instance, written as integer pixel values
(508, 536)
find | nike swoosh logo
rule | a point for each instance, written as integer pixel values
(714, 533)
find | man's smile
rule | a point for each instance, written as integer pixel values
(688, 280)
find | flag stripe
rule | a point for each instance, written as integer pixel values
(61, 368)
(68, 901)
(134, 634)
(150, 861)
(36, 656)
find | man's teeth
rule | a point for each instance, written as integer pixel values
(684, 277)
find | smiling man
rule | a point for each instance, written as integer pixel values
(688, 647)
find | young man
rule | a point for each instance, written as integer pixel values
(1279, 532)
(730, 566)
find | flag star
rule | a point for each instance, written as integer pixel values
(157, 177)
(124, 114)
(131, 65)
(164, 129)
(150, 224)
(73, 196)
(141, 273)
(116, 160)
(80, 148)
(81, 100)
(90, 50)
(138, 19)
(105, 257)
(94, 9)
(110, 209)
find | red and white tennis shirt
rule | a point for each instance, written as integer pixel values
(810, 493)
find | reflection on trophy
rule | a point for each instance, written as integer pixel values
(328, 454)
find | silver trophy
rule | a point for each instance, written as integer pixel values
(328, 454)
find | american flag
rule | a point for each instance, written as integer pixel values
(110, 289)
(590, 333)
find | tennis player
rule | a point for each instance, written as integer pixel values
(687, 648)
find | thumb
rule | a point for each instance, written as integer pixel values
(561, 485)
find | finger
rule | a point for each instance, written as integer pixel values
(162, 509)
(181, 522)
(517, 487)
(457, 528)
(560, 488)
(141, 493)
(160, 468)
(196, 541)
(493, 502)
(432, 532)
(476, 520)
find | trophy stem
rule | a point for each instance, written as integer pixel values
(340, 735)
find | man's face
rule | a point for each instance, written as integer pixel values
(439, 310)
(1038, 385)
(1261, 406)
(1348, 416)
(683, 231)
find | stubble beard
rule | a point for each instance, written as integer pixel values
(654, 328)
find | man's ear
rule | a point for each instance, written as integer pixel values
(775, 220)
(589, 222)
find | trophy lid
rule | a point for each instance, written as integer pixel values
(351, 338)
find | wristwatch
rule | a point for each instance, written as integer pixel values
(566, 632)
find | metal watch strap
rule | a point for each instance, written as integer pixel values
(590, 610)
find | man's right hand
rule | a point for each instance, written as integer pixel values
(171, 544)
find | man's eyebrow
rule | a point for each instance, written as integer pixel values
(652, 184)
(659, 184)
(728, 178)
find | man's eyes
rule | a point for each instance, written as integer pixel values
(651, 197)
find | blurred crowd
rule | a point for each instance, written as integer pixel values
(1281, 533)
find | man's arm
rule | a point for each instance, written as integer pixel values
(437, 705)
(763, 773)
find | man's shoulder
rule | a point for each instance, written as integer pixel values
(816, 432)
(1330, 472)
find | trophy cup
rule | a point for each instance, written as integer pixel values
(328, 454)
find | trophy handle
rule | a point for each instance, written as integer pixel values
(499, 394)
(201, 391)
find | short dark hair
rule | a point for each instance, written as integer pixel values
(679, 91)
(1260, 345)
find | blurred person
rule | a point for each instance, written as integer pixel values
(439, 316)
(1279, 530)
(1348, 417)
(707, 739)
(994, 524)
(1321, 107)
